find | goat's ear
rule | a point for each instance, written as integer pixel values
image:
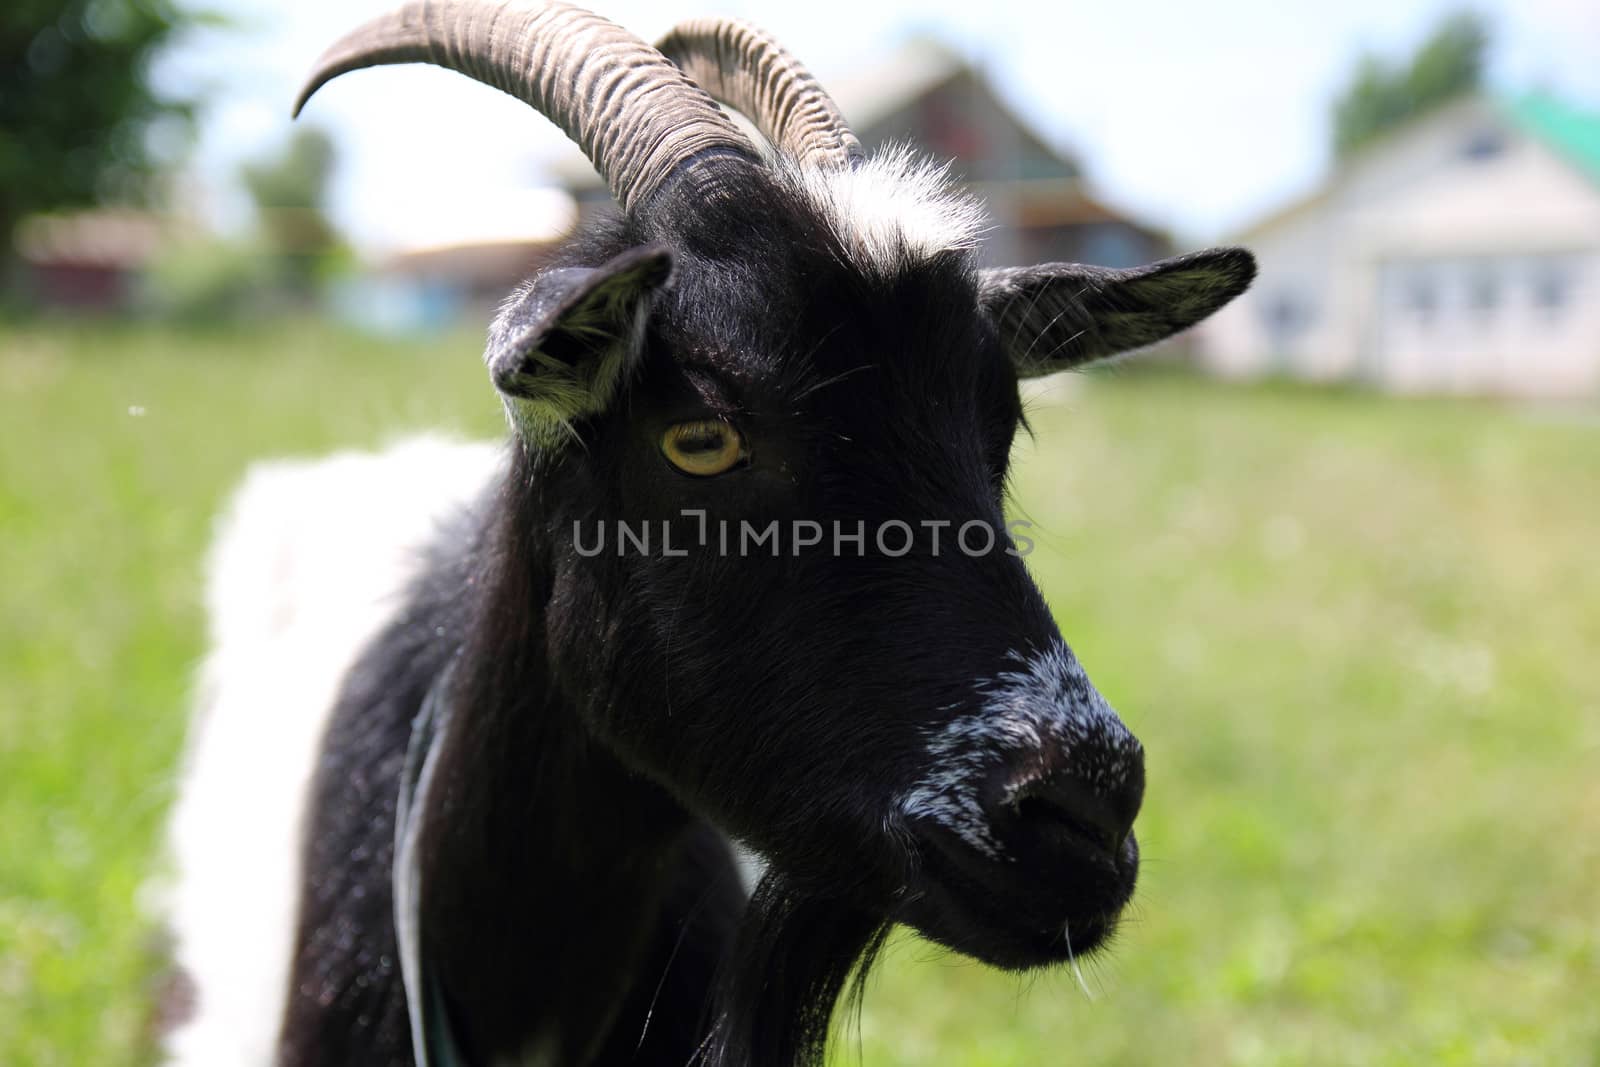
(1060, 315)
(563, 344)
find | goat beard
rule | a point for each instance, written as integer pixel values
(795, 954)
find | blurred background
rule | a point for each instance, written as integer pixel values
(1333, 556)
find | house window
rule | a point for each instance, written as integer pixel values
(1285, 313)
(1552, 284)
(1112, 245)
(1483, 291)
(1483, 144)
(1286, 316)
(1421, 297)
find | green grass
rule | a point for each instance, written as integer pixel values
(1360, 639)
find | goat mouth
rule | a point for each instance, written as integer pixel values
(1017, 915)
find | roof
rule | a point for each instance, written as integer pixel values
(1571, 132)
(1331, 181)
(873, 91)
(119, 239)
(866, 96)
(489, 264)
(1040, 202)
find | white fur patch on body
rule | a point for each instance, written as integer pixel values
(308, 564)
(1048, 702)
(894, 208)
(752, 866)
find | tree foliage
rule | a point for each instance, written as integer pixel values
(1382, 95)
(76, 105)
(290, 192)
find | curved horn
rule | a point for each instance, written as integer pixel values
(637, 117)
(752, 73)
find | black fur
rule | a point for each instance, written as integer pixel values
(1062, 315)
(614, 716)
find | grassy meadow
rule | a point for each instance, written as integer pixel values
(1359, 637)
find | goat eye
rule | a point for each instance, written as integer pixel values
(703, 447)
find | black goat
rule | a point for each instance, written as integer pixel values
(741, 575)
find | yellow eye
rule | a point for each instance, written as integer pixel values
(703, 447)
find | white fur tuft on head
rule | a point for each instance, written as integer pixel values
(893, 209)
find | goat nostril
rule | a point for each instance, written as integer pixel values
(1067, 802)
(1039, 813)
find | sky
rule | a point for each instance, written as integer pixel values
(1197, 117)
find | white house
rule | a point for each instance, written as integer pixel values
(1460, 253)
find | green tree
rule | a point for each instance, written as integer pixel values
(290, 193)
(1381, 96)
(76, 105)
